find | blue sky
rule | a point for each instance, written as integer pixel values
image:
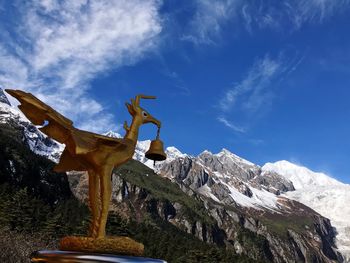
(268, 80)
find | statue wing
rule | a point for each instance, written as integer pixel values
(59, 127)
(38, 112)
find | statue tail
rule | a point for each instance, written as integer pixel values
(58, 127)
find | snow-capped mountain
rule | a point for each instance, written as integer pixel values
(322, 193)
(227, 179)
(231, 181)
(37, 141)
(112, 134)
(301, 176)
(224, 177)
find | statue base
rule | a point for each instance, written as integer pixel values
(106, 245)
(57, 256)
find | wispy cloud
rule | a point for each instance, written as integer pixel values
(177, 83)
(314, 10)
(209, 17)
(58, 47)
(255, 92)
(230, 125)
(292, 13)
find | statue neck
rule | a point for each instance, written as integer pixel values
(133, 132)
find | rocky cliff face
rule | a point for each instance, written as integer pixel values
(295, 234)
(230, 172)
(289, 227)
(322, 193)
(229, 179)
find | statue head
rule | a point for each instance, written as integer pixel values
(139, 113)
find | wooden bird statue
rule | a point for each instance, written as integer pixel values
(87, 151)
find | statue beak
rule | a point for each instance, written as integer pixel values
(154, 121)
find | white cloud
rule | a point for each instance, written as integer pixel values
(314, 10)
(61, 45)
(230, 125)
(13, 70)
(209, 17)
(254, 88)
(254, 94)
(294, 13)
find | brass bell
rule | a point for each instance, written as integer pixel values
(156, 151)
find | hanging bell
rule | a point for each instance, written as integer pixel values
(155, 151)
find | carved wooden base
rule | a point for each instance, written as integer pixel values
(109, 245)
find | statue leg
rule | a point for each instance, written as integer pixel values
(94, 202)
(106, 192)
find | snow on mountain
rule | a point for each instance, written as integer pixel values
(173, 153)
(258, 199)
(224, 153)
(300, 176)
(140, 150)
(226, 178)
(37, 141)
(112, 134)
(332, 202)
(227, 163)
(143, 146)
(3, 98)
(322, 193)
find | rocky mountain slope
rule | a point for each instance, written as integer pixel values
(233, 202)
(300, 235)
(252, 185)
(322, 193)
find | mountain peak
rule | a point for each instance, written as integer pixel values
(300, 176)
(174, 150)
(173, 153)
(225, 151)
(205, 152)
(3, 98)
(228, 154)
(112, 134)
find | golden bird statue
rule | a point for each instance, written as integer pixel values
(96, 154)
